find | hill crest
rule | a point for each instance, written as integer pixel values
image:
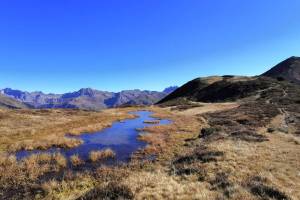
(288, 69)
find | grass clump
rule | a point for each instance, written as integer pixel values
(101, 155)
(60, 160)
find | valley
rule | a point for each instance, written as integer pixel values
(218, 137)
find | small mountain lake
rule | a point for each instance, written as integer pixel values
(121, 137)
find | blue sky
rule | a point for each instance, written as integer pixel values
(63, 45)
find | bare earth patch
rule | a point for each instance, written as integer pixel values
(201, 108)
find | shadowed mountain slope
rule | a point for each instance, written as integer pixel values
(218, 89)
(288, 70)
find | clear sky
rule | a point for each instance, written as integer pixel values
(63, 45)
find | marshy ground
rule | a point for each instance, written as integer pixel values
(209, 151)
(41, 129)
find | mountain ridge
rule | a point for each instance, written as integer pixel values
(86, 98)
(231, 88)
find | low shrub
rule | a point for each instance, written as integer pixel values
(112, 190)
(222, 183)
(201, 154)
(205, 132)
(248, 136)
(258, 187)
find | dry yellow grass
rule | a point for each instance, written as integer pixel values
(277, 160)
(222, 169)
(160, 185)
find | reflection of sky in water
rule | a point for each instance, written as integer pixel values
(121, 137)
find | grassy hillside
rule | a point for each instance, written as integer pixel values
(230, 88)
(190, 88)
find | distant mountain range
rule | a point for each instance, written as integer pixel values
(85, 98)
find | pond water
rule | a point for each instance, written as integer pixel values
(121, 137)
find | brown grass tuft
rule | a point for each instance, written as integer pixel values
(60, 160)
(76, 160)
